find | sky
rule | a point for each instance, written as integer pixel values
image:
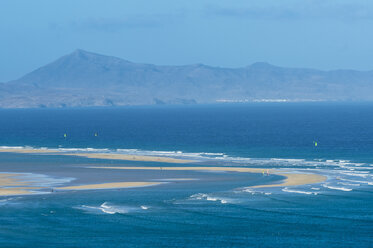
(320, 34)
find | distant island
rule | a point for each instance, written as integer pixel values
(84, 79)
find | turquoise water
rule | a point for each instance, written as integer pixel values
(218, 210)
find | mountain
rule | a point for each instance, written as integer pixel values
(87, 79)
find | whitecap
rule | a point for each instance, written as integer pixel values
(108, 208)
(249, 190)
(198, 196)
(357, 174)
(12, 147)
(357, 181)
(299, 191)
(253, 192)
(201, 196)
(336, 188)
(113, 209)
(349, 184)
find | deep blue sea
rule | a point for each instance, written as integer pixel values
(205, 213)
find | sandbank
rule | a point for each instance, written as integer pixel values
(193, 168)
(101, 155)
(9, 180)
(26, 150)
(292, 179)
(295, 180)
(110, 185)
(12, 184)
(129, 157)
(9, 185)
(13, 191)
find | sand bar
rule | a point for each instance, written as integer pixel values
(295, 179)
(100, 155)
(13, 191)
(129, 157)
(194, 168)
(9, 185)
(292, 179)
(27, 150)
(11, 180)
(109, 185)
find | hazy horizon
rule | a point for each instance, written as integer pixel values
(264, 63)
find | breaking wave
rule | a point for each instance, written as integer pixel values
(253, 192)
(336, 187)
(207, 197)
(107, 208)
(299, 191)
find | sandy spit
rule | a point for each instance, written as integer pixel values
(292, 179)
(129, 157)
(109, 185)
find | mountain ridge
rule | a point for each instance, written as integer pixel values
(82, 79)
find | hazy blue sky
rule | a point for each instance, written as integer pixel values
(320, 34)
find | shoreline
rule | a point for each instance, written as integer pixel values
(28, 150)
(291, 179)
(128, 157)
(112, 185)
(93, 155)
(11, 185)
(295, 179)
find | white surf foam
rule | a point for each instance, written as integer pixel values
(336, 187)
(350, 184)
(201, 196)
(108, 208)
(40, 180)
(252, 191)
(6, 201)
(112, 209)
(12, 147)
(249, 190)
(299, 191)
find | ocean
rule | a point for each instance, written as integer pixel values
(219, 209)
